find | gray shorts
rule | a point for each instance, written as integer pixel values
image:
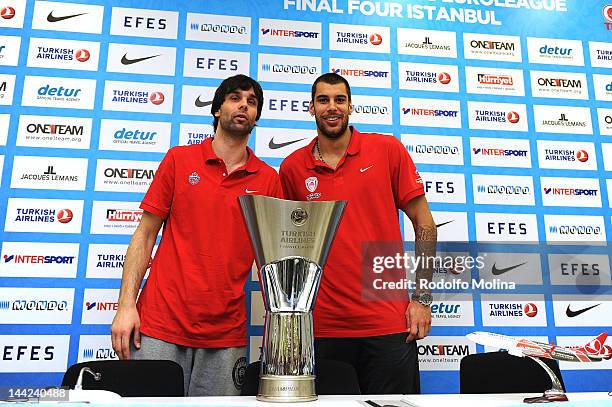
(208, 371)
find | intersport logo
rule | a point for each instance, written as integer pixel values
(363, 73)
(434, 149)
(572, 192)
(141, 59)
(498, 152)
(440, 78)
(494, 81)
(40, 91)
(33, 259)
(360, 38)
(412, 41)
(73, 17)
(430, 113)
(289, 33)
(218, 28)
(138, 97)
(99, 306)
(63, 54)
(54, 132)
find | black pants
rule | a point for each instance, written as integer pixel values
(385, 364)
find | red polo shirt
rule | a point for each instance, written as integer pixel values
(377, 177)
(194, 294)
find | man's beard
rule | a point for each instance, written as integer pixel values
(335, 133)
(236, 131)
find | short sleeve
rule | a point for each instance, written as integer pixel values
(405, 179)
(158, 198)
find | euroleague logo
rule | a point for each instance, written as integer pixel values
(513, 117)
(607, 13)
(444, 78)
(64, 215)
(7, 12)
(157, 98)
(530, 310)
(376, 39)
(582, 156)
(82, 55)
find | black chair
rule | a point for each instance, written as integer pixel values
(500, 372)
(332, 377)
(131, 378)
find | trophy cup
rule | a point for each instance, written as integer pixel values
(291, 240)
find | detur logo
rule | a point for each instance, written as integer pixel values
(82, 55)
(7, 12)
(376, 39)
(157, 98)
(607, 13)
(64, 215)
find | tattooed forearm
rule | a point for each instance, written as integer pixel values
(426, 237)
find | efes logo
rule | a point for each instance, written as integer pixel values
(144, 23)
(202, 63)
(506, 227)
(285, 105)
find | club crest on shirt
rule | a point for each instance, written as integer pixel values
(312, 183)
(194, 178)
(419, 180)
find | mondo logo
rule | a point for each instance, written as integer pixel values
(64, 215)
(444, 78)
(513, 117)
(582, 156)
(376, 39)
(82, 55)
(530, 310)
(7, 12)
(157, 98)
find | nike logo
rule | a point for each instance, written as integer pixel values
(366, 168)
(126, 61)
(199, 103)
(496, 272)
(439, 225)
(250, 191)
(275, 146)
(52, 19)
(573, 314)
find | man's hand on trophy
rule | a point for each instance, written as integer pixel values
(125, 322)
(418, 321)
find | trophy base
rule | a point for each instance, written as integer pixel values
(286, 389)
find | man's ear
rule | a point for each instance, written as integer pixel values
(311, 108)
(217, 113)
(350, 108)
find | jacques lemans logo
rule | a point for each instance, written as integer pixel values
(572, 314)
(54, 19)
(275, 146)
(127, 61)
(200, 103)
(499, 271)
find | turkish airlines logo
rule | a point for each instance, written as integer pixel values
(7, 12)
(64, 215)
(607, 13)
(82, 55)
(530, 310)
(582, 156)
(376, 39)
(513, 117)
(444, 78)
(157, 98)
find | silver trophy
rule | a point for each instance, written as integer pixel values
(291, 240)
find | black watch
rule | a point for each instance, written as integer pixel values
(424, 299)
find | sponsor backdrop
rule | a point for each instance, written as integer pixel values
(505, 106)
